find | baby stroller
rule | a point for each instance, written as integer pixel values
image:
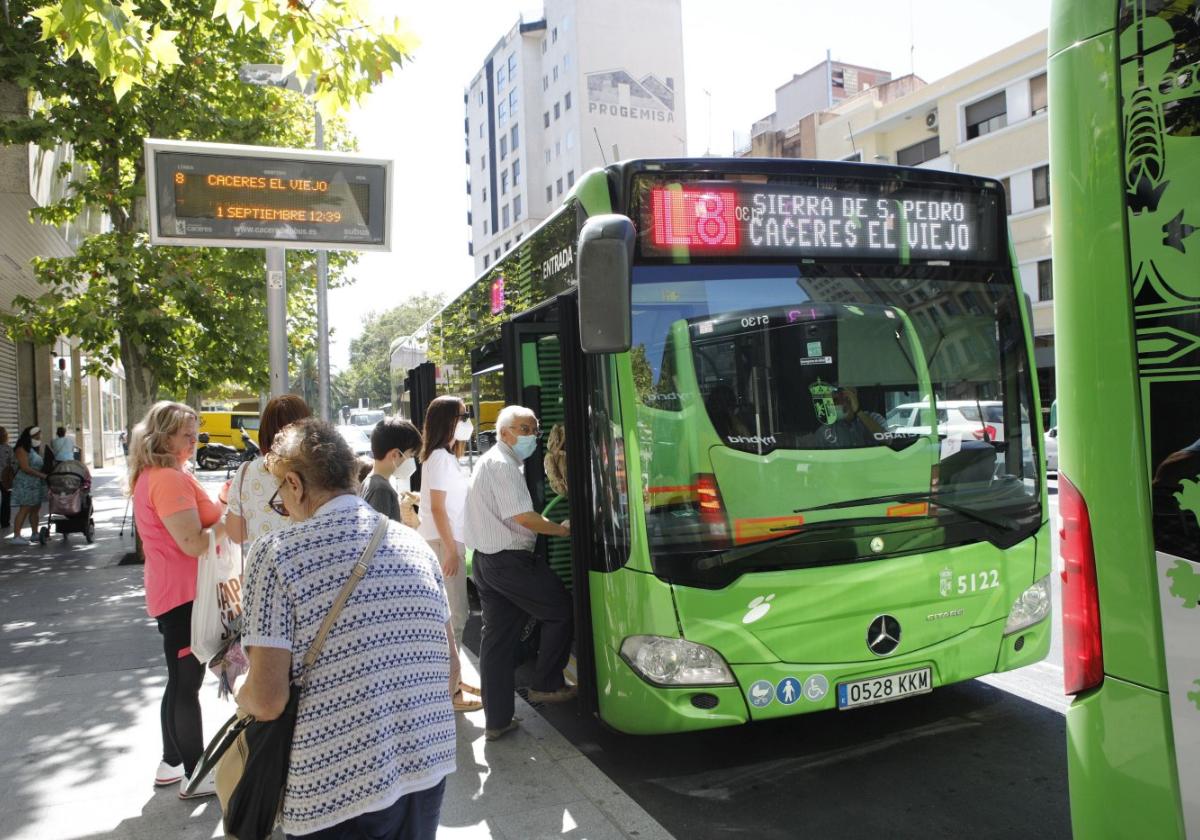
(70, 486)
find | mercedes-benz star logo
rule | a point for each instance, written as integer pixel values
(883, 636)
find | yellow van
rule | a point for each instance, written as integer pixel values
(222, 426)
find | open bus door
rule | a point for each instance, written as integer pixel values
(420, 385)
(544, 371)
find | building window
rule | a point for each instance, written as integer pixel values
(557, 149)
(570, 179)
(554, 72)
(503, 183)
(503, 112)
(487, 260)
(503, 147)
(567, 101)
(512, 103)
(558, 187)
(515, 135)
(566, 62)
(516, 172)
(1045, 280)
(504, 216)
(549, 194)
(544, 46)
(1037, 94)
(987, 115)
(500, 78)
(547, 157)
(518, 239)
(557, 112)
(512, 66)
(545, 83)
(481, 131)
(1007, 195)
(554, 35)
(1041, 186)
(483, 162)
(481, 98)
(918, 153)
(570, 140)
(496, 253)
(507, 245)
(485, 227)
(516, 208)
(485, 195)
(546, 120)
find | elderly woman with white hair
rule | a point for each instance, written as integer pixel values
(502, 526)
(374, 737)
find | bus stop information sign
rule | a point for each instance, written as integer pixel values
(260, 197)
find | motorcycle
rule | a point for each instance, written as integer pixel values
(219, 456)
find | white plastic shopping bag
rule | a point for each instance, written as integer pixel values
(218, 606)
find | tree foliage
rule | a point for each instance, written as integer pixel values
(369, 374)
(183, 319)
(336, 43)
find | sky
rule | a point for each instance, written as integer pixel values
(737, 52)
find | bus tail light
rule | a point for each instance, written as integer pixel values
(1083, 654)
(712, 509)
(986, 433)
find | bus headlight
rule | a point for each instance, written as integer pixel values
(1030, 608)
(675, 662)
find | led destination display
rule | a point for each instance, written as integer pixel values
(236, 198)
(738, 219)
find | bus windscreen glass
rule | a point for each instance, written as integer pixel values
(776, 401)
(831, 220)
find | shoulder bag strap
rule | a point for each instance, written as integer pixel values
(242, 508)
(356, 574)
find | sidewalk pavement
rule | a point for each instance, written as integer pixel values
(81, 678)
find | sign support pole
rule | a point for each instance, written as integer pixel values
(323, 382)
(277, 348)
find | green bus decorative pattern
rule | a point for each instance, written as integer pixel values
(1160, 64)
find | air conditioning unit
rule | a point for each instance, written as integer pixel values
(931, 120)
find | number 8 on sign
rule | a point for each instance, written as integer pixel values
(697, 219)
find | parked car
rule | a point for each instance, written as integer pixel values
(1052, 450)
(359, 438)
(980, 419)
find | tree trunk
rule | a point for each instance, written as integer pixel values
(141, 390)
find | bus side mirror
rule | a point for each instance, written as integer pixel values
(603, 270)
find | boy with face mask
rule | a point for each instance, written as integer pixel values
(394, 446)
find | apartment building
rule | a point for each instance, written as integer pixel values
(586, 85)
(45, 385)
(989, 118)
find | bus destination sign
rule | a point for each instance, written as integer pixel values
(783, 220)
(254, 200)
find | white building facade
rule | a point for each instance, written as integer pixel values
(588, 84)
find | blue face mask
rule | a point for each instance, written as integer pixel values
(525, 446)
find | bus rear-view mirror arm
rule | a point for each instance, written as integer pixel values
(603, 269)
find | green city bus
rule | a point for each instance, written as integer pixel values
(1125, 185)
(802, 438)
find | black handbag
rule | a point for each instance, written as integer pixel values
(251, 757)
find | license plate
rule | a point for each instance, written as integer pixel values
(884, 689)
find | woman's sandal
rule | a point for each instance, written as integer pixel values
(463, 705)
(470, 689)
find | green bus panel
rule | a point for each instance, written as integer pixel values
(1125, 180)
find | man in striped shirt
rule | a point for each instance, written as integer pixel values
(502, 527)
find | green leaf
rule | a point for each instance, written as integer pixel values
(162, 47)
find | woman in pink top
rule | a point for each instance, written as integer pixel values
(173, 515)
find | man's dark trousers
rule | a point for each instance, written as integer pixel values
(511, 585)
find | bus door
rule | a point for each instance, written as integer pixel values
(543, 370)
(420, 386)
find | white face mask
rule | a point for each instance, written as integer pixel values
(405, 471)
(463, 430)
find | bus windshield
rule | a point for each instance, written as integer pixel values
(776, 398)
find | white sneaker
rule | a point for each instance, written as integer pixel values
(15, 540)
(206, 787)
(35, 540)
(167, 774)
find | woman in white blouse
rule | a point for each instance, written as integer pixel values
(250, 514)
(444, 497)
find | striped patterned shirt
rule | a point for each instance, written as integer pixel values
(496, 494)
(375, 721)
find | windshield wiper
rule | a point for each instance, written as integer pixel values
(1002, 522)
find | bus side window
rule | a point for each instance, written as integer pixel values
(610, 490)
